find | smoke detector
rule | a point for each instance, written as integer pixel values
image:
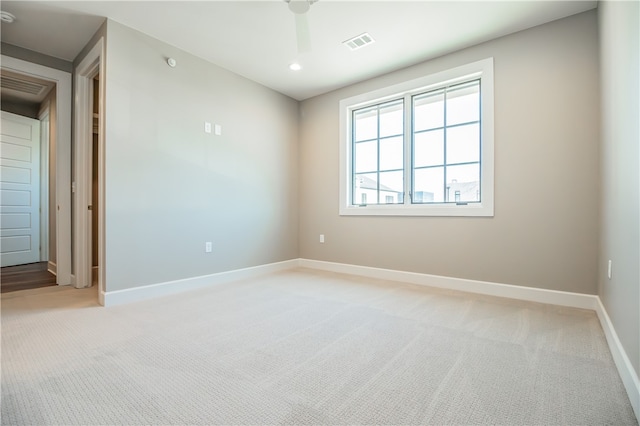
(6, 17)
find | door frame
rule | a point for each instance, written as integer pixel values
(93, 64)
(45, 127)
(62, 80)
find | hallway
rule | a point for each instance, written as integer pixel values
(26, 277)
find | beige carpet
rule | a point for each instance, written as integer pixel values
(305, 347)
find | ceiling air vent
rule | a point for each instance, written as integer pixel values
(22, 86)
(359, 41)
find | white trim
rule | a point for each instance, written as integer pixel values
(623, 364)
(89, 67)
(45, 141)
(62, 156)
(135, 294)
(531, 294)
(101, 168)
(482, 69)
(52, 267)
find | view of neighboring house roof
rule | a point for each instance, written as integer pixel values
(367, 183)
(468, 190)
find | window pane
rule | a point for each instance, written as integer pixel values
(428, 148)
(428, 111)
(391, 119)
(463, 144)
(463, 103)
(365, 123)
(429, 185)
(365, 189)
(366, 156)
(465, 180)
(419, 147)
(391, 185)
(391, 154)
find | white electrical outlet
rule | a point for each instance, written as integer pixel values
(208, 246)
(322, 238)
(207, 127)
(609, 269)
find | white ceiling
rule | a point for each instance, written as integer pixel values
(257, 39)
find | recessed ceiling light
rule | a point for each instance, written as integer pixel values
(295, 66)
(6, 17)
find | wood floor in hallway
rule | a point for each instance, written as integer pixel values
(25, 277)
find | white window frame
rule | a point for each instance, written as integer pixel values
(482, 70)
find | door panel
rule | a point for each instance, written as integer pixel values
(19, 190)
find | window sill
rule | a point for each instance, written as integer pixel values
(470, 210)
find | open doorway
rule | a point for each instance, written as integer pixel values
(60, 193)
(43, 95)
(26, 105)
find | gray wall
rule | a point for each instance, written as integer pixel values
(35, 57)
(545, 230)
(170, 187)
(620, 235)
(25, 109)
(100, 33)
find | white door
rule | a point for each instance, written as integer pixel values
(19, 190)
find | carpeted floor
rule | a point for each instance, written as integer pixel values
(305, 347)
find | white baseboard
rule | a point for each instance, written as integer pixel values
(111, 298)
(575, 300)
(627, 373)
(552, 297)
(52, 267)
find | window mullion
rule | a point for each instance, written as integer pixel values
(407, 144)
(378, 155)
(444, 135)
(480, 125)
(353, 157)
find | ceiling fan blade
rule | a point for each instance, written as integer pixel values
(302, 33)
